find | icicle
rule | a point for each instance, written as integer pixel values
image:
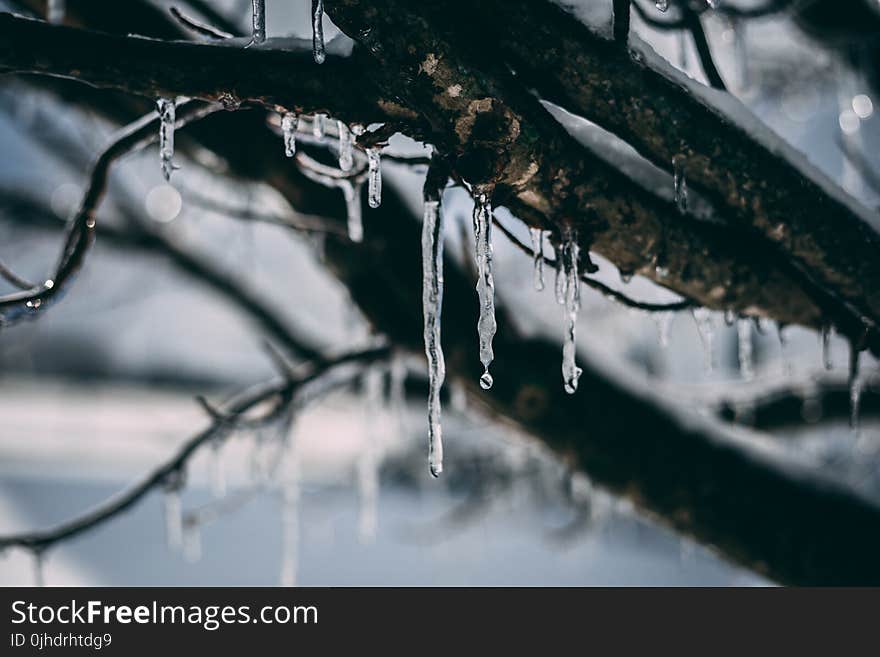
(39, 567)
(318, 126)
(432, 303)
(662, 5)
(346, 146)
(825, 338)
(664, 324)
(374, 181)
(744, 337)
(259, 19)
(625, 276)
(290, 530)
(318, 31)
(55, 11)
(165, 107)
(706, 328)
(368, 461)
(352, 193)
(679, 182)
(288, 128)
(173, 517)
(713, 4)
(560, 282)
(538, 257)
(486, 324)
(192, 542)
(783, 348)
(570, 256)
(855, 387)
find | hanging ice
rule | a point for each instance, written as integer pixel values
(855, 387)
(538, 257)
(165, 107)
(288, 128)
(825, 337)
(664, 324)
(374, 181)
(679, 183)
(346, 146)
(486, 324)
(559, 282)
(318, 31)
(352, 193)
(55, 10)
(318, 126)
(744, 337)
(432, 303)
(570, 255)
(662, 5)
(173, 517)
(259, 18)
(706, 328)
(783, 348)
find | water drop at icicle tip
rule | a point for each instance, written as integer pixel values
(486, 380)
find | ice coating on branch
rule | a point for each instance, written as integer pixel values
(662, 5)
(352, 193)
(165, 107)
(679, 182)
(55, 10)
(744, 342)
(706, 328)
(486, 324)
(537, 236)
(559, 283)
(432, 303)
(374, 180)
(288, 128)
(570, 256)
(346, 146)
(318, 31)
(318, 125)
(664, 324)
(855, 387)
(825, 338)
(259, 21)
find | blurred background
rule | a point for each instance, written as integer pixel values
(101, 389)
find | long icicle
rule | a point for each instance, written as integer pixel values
(259, 21)
(855, 387)
(289, 122)
(486, 324)
(374, 184)
(318, 31)
(537, 236)
(166, 110)
(346, 146)
(352, 193)
(570, 256)
(432, 303)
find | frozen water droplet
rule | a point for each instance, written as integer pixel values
(318, 31)
(259, 20)
(706, 328)
(288, 128)
(346, 146)
(486, 380)
(744, 339)
(662, 5)
(855, 387)
(432, 304)
(570, 259)
(374, 181)
(352, 193)
(537, 236)
(318, 126)
(165, 107)
(55, 11)
(679, 182)
(486, 324)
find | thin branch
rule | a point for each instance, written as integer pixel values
(43, 539)
(199, 27)
(13, 278)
